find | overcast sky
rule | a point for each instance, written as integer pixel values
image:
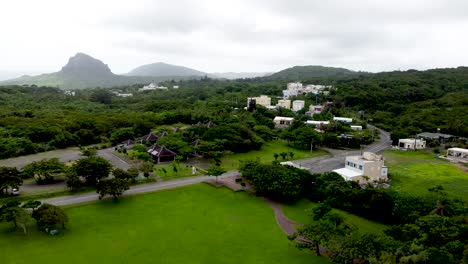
(241, 35)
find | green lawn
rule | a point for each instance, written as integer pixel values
(298, 212)
(182, 171)
(416, 171)
(266, 154)
(196, 224)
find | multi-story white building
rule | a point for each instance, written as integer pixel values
(260, 100)
(284, 103)
(364, 169)
(296, 89)
(298, 105)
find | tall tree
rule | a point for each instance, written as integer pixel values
(114, 187)
(9, 178)
(50, 217)
(92, 169)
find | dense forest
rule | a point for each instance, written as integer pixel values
(34, 119)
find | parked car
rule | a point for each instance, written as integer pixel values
(15, 191)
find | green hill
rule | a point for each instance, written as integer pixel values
(164, 69)
(310, 72)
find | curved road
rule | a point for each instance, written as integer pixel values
(337, 160)
(136, 189)
(315, 165)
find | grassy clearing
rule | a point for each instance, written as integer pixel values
(196, 224)
(183, 170)
(298, 212)
(265, 154)
(416, 171)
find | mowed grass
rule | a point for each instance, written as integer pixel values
(416, 171)
(196, 224)
(183, 170)
(299, 213)
(266, 154)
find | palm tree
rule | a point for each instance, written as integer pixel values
(291, 155)
(276, 155)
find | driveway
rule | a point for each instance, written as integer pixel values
(116, 161)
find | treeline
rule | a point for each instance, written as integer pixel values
(35, 119)
(423, 229)
(410, 102)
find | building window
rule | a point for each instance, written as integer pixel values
(360, 167)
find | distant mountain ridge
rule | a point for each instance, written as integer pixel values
(84, 71)
(239, 75)
(164, 69)
(311, 71)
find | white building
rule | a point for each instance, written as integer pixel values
(298, 105)
(356, 127)
(282, 122)
(261, 100)
(152, 87)
(284, 103)
(175, 87)
(70, 93)
(458, 154)
(316, 123)
(364, 169)
(411, 143)
(296, 89)
(343, 119)
(315, 109)
(124, 95)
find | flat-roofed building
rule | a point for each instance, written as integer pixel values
(411, 143)
(282, 122)
(342, 119)
(260, 100)
(458, 154)
(367, 168)
(298, 105)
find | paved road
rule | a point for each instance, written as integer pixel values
(144, 188)
(337, 158)
(116, 161)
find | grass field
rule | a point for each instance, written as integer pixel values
(265, 154)
(196, 224)
(298, 213)
(183, 170)
(416, 171)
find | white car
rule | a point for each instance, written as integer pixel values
(15, 191)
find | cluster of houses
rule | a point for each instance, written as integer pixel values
(284, 122)
(152, 87)
(159, 153)
(293, 89)
(419, 142)
(297, 89)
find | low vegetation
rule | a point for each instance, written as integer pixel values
(414, 172)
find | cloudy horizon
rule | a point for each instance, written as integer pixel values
(235, 36)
